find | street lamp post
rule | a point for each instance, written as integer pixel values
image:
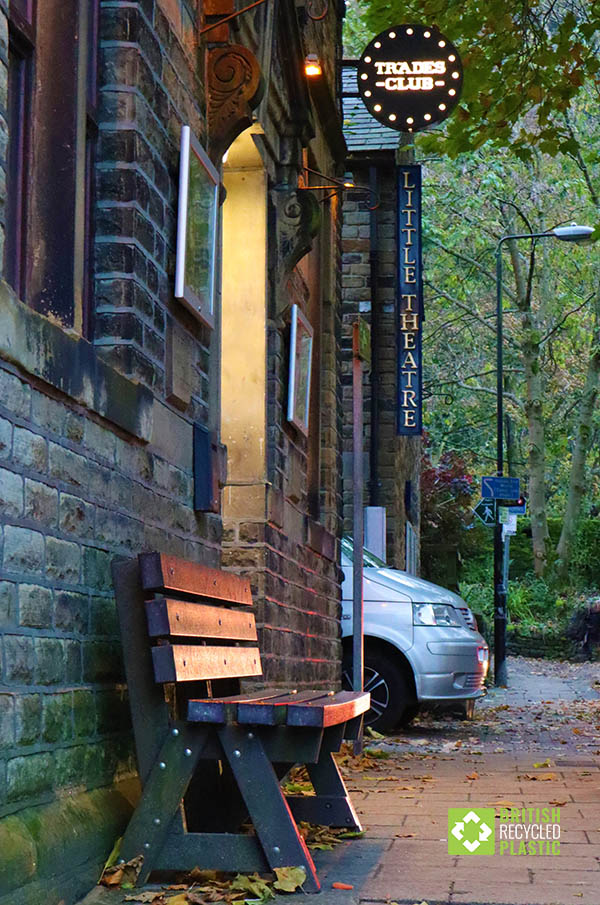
(572, 233)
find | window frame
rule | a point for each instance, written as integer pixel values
(21, 62)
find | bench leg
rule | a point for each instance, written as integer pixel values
(275, 827)
(165, 787)
(331, 805)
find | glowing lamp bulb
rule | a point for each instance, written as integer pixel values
(312, 66)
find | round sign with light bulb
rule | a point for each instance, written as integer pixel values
(410, 77)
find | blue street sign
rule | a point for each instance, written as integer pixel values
(498, 488)
(518, 510)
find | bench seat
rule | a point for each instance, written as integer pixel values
(306, 708)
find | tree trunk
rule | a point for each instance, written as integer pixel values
(583, 438)
(536, 452)
(509, 433)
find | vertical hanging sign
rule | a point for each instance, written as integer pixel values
(410, 302)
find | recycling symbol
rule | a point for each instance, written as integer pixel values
(458, 831)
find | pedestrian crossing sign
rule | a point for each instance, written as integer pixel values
(485, 510)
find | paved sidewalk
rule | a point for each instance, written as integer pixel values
(550, 716)
(403, 857)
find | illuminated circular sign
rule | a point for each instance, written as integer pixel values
(410, 77)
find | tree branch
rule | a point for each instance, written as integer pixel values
(567, 315)
(473, 262)
(474, 315)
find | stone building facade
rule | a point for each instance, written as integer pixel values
(104, 376)
(369, 280)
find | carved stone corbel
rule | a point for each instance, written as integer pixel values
(298, 218)
(235, 87)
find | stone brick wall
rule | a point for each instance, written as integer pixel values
(149, 87)
(96, 461)
(398, 458)
(74, 492)
(82, 479)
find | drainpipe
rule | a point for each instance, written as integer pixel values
(373, 276)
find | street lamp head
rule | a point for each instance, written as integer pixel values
(573, 233)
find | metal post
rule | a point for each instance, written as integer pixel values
(506, 561)
(358, 520)
(500, 675)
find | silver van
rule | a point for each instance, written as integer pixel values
(422, 646)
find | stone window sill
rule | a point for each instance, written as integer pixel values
(72, 365)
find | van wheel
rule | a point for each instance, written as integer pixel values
(392, 702)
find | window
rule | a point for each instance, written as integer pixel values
(20, 81)
(91, 142)
(52, 138)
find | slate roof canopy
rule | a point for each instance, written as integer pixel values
(361, 131)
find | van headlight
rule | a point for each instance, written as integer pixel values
(435, 614)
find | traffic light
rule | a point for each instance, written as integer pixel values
(519, 506)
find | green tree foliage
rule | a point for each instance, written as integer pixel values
(470, 203)
(525, 63)
(520, 154)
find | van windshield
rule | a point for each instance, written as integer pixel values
(369, 559)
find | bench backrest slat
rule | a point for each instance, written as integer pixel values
(185, 619)
(169, 573)
(186, 663)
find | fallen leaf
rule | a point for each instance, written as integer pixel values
(141, 896)
(202, 876)
(472, 775)
(123, 875)
(558, 804)
(180, 899)
(112, 858)
(543, 763)
(254, 884)
(373, 733)
(289, 879)
(341, 886)
(540, 777)
(405, 835)
(503, 803)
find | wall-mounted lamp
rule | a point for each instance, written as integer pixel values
(347, 183)
(312, 66)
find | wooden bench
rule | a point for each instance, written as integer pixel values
(209, 759)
